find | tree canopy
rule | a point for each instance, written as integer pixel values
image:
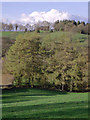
(49, 60)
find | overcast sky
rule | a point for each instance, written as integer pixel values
(50, 11)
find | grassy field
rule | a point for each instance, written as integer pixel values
(76, 36)
(37, 103)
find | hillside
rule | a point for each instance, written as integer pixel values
(62, 59)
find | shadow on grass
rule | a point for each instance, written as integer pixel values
(46, 119)
(46, 110)
(27, 94)
(50, 110)
(8, 93)
(70, 113)
(18, 90)
(17, 99)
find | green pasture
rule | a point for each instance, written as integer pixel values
(38, 103)
(54, 35)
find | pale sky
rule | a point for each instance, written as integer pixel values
(22, 11)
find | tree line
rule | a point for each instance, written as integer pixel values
(65, 25)
(73, 26)
(61, 65)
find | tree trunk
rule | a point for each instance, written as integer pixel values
(32, 83)
(29, 81)
(62, 87)
(71, 86)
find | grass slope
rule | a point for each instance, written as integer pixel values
(36, 103)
